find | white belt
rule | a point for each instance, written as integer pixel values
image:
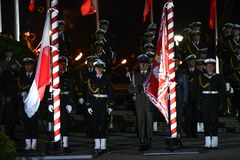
(64, 92)
(209, 92)
(100, 95)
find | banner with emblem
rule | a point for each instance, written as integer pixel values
(156, 85)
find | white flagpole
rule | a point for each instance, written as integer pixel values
(17, 20)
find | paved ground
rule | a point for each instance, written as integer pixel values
(123, 146)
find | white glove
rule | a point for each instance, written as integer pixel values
(90, 111)
(110, 110)
(24, 95)
(81, 101)
(50, 108)
(69, 108)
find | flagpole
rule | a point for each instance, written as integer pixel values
(97, 15)
(171, 70)
(216, 38)
(151, 13)
(17, 20)
(0, 16)
(55, 66)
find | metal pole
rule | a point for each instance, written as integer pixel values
(17, 20)
(216, 39)
(55, 74)
(0, 16)
(97, 14)
(151, 13)
(171, 69)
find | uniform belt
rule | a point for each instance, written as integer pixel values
(100, 95)
(209, 92)
(64, 92)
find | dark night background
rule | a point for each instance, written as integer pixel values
(125, 17)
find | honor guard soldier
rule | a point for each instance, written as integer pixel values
(235, 80)
(67, 94)
(109, 37)
(64, 39)
(99, 102)
(101, 54)
(87, 72)
(143, 105)
(212, 90)
(223, 47)
(191, 109)
(182, 91)
(30, 124)
(10, 91)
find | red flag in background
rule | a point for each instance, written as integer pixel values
(147, 9)
(212, 14)
(31, 5)
(156, 85)
(88, 7)
(42, 76)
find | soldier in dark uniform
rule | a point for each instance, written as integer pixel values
(212, 90)
(100, 54)
(182, 91)
(86, 72)
(235, 79)
(109, 37)
(64, 40)
(67, 95)
(143, 105)
(30, 124)
(99, 101)
(195, 44)
(10, 91)
(191, 110)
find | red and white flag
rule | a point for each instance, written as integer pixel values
(88, 7)
(147, 9)
(43, 74)
(156, 85)
(31, 5)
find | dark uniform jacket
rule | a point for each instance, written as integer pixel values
(9, 83)
(102, 86)
(135, 87)
(210, 84)
(182, 87)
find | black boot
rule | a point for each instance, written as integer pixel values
(149, 143)
(142, 145)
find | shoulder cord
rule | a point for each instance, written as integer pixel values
(205, 85)
(231, 47)
(82, 78)
(22, 87)
(90, 87)
(234, 67)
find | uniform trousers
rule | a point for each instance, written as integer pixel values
(210, 113)
(65, 116)
(99, 117)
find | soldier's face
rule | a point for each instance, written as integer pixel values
(236, 32)
(99, 49)
(191, 63)
(210, 68)
(99, 36)
(143, 66)
(29, 67)
(99, 70)
(196, 37)
(8, 54)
